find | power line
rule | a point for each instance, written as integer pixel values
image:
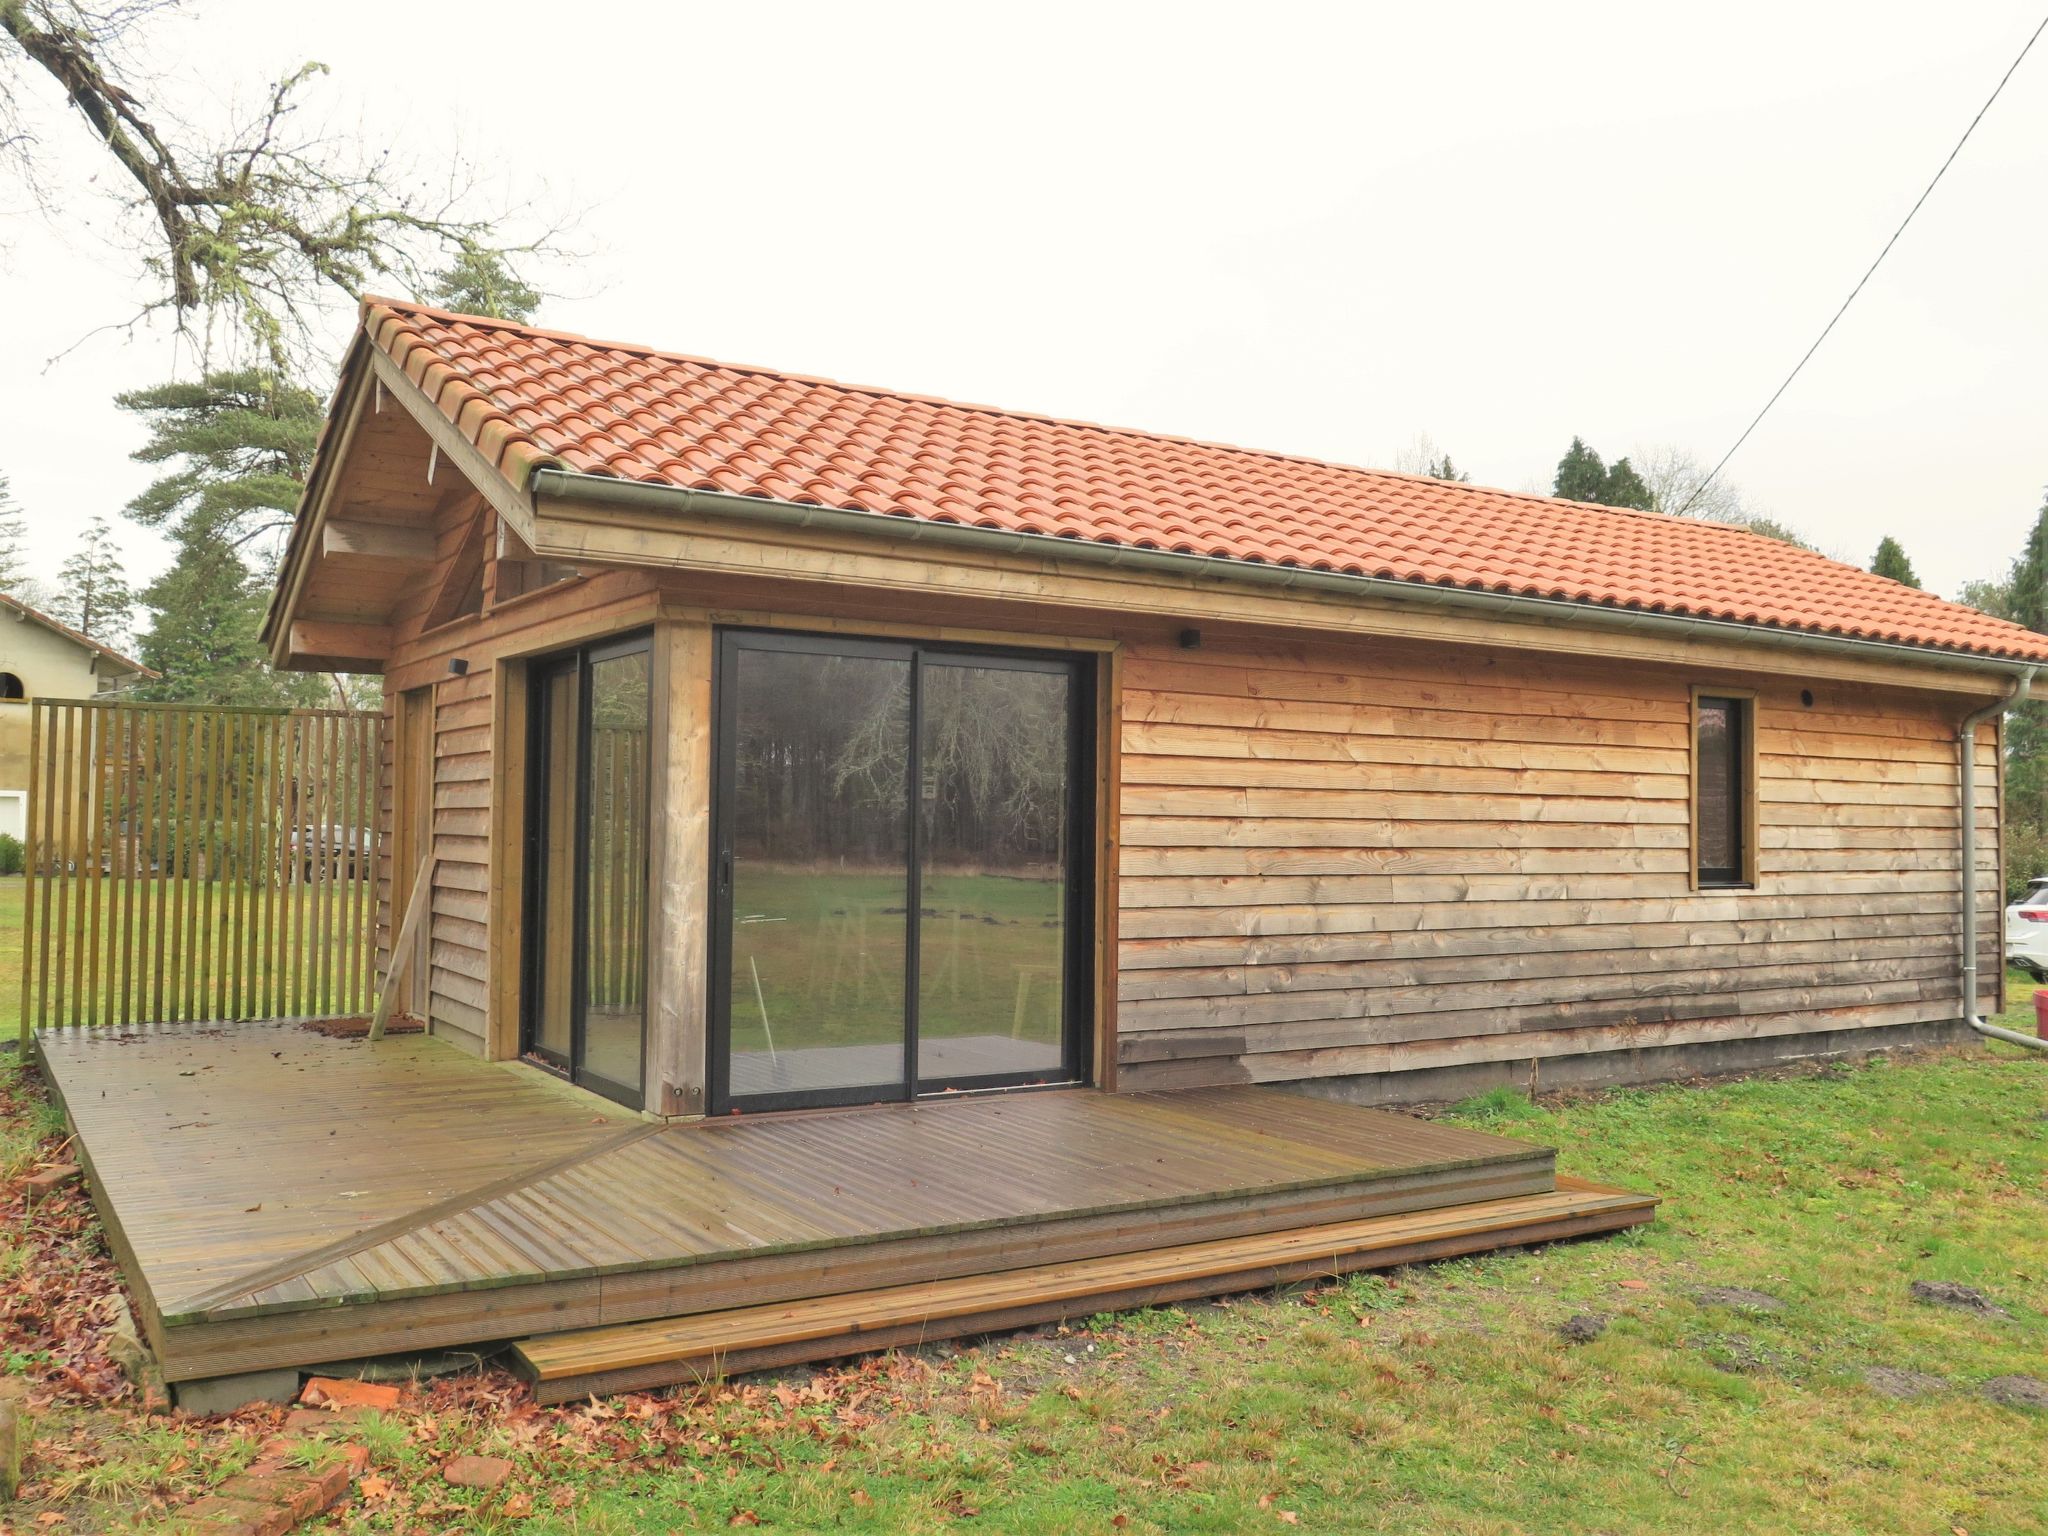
(1700, 489)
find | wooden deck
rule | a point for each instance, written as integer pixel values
(278, 1198)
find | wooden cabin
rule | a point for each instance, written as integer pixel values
(1195, 765)
(864, 864)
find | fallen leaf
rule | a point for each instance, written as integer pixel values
(519, 1505)
(375, 1487)
(744, 1517)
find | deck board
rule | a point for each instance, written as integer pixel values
(280, 1196)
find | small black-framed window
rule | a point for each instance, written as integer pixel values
(1721, 791)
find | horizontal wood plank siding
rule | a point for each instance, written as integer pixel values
(465, 775)
(1342, 859)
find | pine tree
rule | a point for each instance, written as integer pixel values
(1580, 474)
(1891, 561)
(1625, 488)
(93, 597)
(479, 282)
(208, 611)
(242, 442)
(1443, 469)
(237, 447)
(13, 541)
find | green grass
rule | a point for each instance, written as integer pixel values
(1436, 1399)
(828, 953)
(104, 1000)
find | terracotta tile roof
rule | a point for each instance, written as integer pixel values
(543, 399)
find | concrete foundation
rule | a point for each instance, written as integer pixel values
(224, 1394)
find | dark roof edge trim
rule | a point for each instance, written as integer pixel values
(571, 484)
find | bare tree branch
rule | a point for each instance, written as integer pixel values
(250, 229)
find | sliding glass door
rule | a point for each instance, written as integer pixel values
(586, 993)
(902, 885)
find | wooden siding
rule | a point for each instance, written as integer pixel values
(1362, 859)
(463, 991)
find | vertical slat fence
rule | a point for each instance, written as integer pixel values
(188, 862)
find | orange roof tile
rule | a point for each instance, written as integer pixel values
(532, 399)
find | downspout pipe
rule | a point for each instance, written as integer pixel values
(1966, 748)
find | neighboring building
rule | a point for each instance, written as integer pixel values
(989, 749)
(41, 658)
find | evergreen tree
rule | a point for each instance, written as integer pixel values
(237, 447)
(1580, 474)
(1443, 469)
(208, 609)
(479, 282)
(242, 442)
(1625, 488)
(2024, 596)
(93, 596)
(13, 540)
(1891, 561)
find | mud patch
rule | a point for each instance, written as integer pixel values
(1583, 1329)
(2017, 1392)
(1891, 1381)
(1964, 1298)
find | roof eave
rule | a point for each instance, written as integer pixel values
(548, 482)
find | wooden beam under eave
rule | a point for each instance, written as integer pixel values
(320, 645)
(396, 542)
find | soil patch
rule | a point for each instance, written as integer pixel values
(2017, 1392)
(1964, 1298)
(1891, 1381)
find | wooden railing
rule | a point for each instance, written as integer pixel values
(191, 862)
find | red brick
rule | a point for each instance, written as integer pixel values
(50, 1178)
(531, 399)
(302, 1493)
(327, 1391)
(220, 1515)
(485, 1472)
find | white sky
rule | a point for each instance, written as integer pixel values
(1323, 231)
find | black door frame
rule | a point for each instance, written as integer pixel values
(579, 659)
(1078, 961)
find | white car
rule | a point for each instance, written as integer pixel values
(2026, 930)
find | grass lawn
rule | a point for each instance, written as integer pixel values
(1439, 1399)
(12, 893)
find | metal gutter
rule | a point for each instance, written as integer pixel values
(571, 485)
(1966, 751)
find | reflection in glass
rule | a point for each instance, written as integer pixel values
(556, 785)
(1720, 833)
(993, 805)
(615, 853)
(820, 880)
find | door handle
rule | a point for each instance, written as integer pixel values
(724, 871)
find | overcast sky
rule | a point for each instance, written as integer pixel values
(1323, 231)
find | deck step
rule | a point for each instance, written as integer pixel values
(634, 1356)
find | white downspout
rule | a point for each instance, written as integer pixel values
(1966, 745)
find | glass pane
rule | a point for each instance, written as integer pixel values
(992, 941)
(1719, 830)
(821, 857)
(557, 788)
(615, 855)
